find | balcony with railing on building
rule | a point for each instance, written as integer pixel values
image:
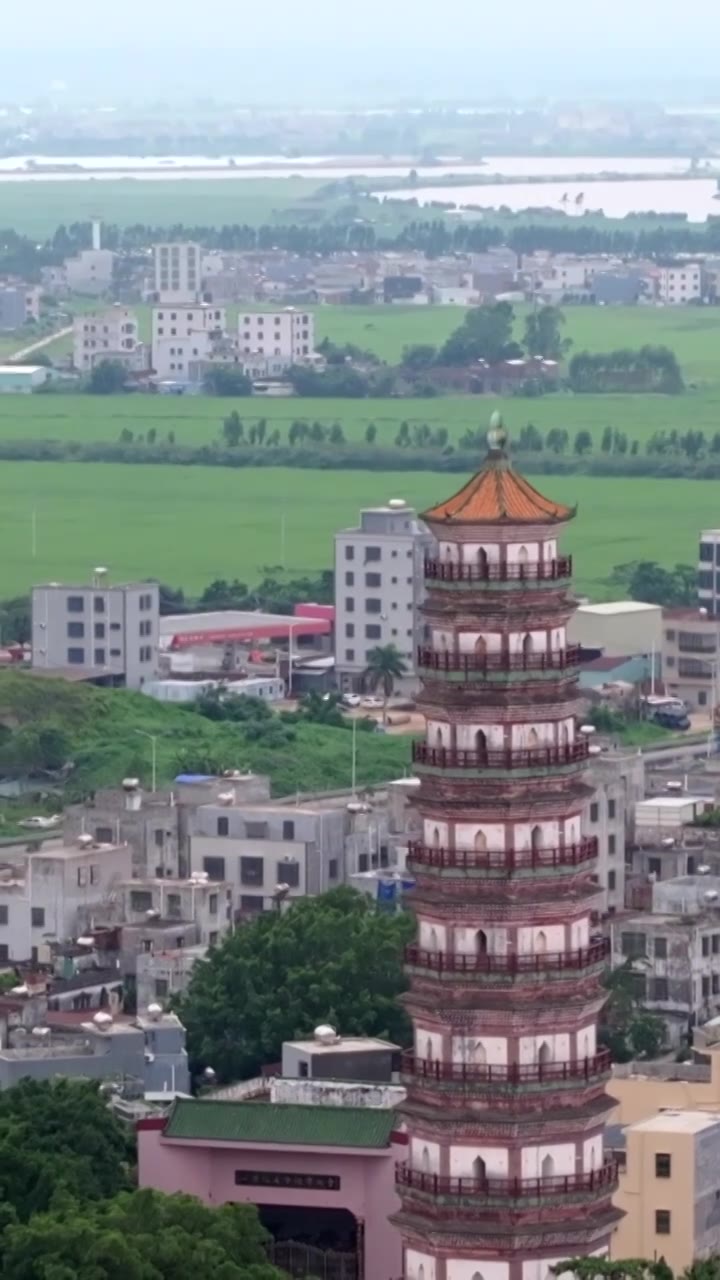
(486, 1080)
(489, 572)
(480, 1195)
(483, 665)
(484, 759)
(533, 966)
(438, 860)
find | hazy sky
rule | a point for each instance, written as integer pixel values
(424, 47)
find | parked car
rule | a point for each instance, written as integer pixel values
(373, 704)
(351, 699)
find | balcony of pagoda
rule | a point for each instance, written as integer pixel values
(517, 668)
(504, 1199)
(525, 762)
(497, 576)
(491, 1084)
(480, 864)
(456, 967)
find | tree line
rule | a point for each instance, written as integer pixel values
(22, 255)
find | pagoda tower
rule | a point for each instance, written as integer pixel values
(506, 1100)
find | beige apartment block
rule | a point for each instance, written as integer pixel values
(670, 1189)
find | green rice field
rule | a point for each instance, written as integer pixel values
(190, 525)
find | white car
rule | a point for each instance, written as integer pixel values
(351, 699)
(373, 704)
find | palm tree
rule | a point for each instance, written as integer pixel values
(385, 665)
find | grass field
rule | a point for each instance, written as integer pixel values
(190, 525)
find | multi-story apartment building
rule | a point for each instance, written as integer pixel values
(288, 334)
(709, 571)
(690, 646)
(91, 271)
(206, 905)
(177, 272)
(618, 781)
(13, 308)
(108, 335)
(152, 823)
(104, 632)
(679, 282)
(47, 893)
(379, 577)
(669, 1189)
(259, 848)
(675, 952)
(184, 335)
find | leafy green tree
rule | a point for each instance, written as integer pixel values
(385, 665)
(336, 958)
(337, 435)
(233, 429)
(370, 433)
(421, 355)
(485, 334)
(59, 1134)
(626, 1029)
(645, 580)
(139, 1235)
(107, 378)
(582, 443)
(224, 380)
(616, 1269)
(543, 336)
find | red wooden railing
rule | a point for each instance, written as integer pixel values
(534, 758)
(514, 962)
(507, 1188)
(569, 855)
(513, 1073)
(444, 660)
(538, 571)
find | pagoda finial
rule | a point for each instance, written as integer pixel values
(497, 435)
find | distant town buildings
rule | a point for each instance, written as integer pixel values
(178, 276)
(112, 334)
(101, 630)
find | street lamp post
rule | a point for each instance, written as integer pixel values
(153, 741)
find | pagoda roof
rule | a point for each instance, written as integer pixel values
(498, 494)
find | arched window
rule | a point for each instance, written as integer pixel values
(533, 739)
(477, 1275)
(480, 842)
(544, 1054)
(481, 746)
(449, 552)
(428, 1050)
(421, 1272)
(443, 640)
(527, 645)
(541, 943)
(433, 940)
(564, 735)
(536, 839)
(480, 646)
(438, 738)
(436, 838)
(478, 1054)
(482, 559)
(479, 1171)
(481, 942)
(547, 1168)
(425, 1162)
(522, 556)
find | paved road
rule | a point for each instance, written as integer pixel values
(42, 342)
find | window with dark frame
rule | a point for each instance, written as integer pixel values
(662, 1222)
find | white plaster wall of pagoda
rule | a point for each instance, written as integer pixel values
(466, 941)
(592, 1153)
(554, 1160)
(462, 1161)
(432, 937)
(548, 1048)
(419, 1266)
(586, 1042)
(466, 1269)
(436, 834)
(466, 736)
(529, 552)
(428, 1045)
(480, 1050)
(540, 1268)
(542, 734)
(424, 1156)
(534, 941)
(542, 641)
(457, 552)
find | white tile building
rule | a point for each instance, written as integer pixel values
(182, 336)
(679, 282)
(288, 334)
(177, 272)
(112, 334)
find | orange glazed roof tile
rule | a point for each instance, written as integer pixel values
(497, 493)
